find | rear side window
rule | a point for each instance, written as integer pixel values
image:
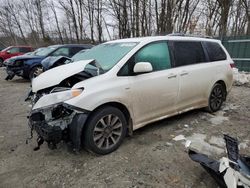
(215, 52)
(188, 53)
(156, 53)
(24, 50)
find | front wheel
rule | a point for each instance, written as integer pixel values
(35, 71)
(216, 98)
(105, 130)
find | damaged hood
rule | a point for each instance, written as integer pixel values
(56, 75)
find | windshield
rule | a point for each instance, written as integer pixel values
(78, 56)
(37, 51)
(107, 54)
(45, 51)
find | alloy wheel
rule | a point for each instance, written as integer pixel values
(216, 98)
(37, 71)
(107, 131)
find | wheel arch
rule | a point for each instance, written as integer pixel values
(122, 108)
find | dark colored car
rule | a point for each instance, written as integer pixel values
(13, 51)
(29, 66)
(51, 62)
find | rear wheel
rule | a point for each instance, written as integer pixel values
(105, 130)
(216, 98)
(35, 71)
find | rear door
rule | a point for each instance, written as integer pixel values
(194, 71)
(153, 95)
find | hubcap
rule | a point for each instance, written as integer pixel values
(107, 131)
(37, 72)
(216, 98)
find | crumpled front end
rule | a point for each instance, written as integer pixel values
(51, 123)
(54, 121)
(15, 68)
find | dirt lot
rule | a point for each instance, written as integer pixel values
(151, 158)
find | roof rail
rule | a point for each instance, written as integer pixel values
(189, 35)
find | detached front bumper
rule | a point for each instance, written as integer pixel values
(52, 135)
(12, 71)
(58, 123)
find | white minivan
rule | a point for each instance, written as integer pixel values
(122, 85)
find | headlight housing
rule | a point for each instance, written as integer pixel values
(18, 63)
(56, 98)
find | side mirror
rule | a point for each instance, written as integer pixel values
(143, 67)
(8, 51)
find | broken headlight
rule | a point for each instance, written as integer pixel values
(55, 98)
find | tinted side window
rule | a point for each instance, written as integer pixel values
(215, 52)
(64, 51)
(24, 50)
(188, 53)
(157, 54)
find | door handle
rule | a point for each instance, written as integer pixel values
(184, 73)
(172, 76)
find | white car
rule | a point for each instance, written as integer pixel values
(122, 85)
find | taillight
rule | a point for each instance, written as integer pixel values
(232, 65)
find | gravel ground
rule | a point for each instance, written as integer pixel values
(150, 158)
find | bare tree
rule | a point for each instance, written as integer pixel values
(246, 4)
(52, 6)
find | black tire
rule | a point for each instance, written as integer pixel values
(102, 139)
(216, 98)
(33, 72)
(1, 62)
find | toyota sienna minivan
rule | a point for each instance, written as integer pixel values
(122, 85)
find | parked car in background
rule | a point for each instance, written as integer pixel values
(13, 51)
(29, 66)
(52, 62)
(123, 85)
(12, 59)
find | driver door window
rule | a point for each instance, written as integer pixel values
(157, 54)
(13, 50)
